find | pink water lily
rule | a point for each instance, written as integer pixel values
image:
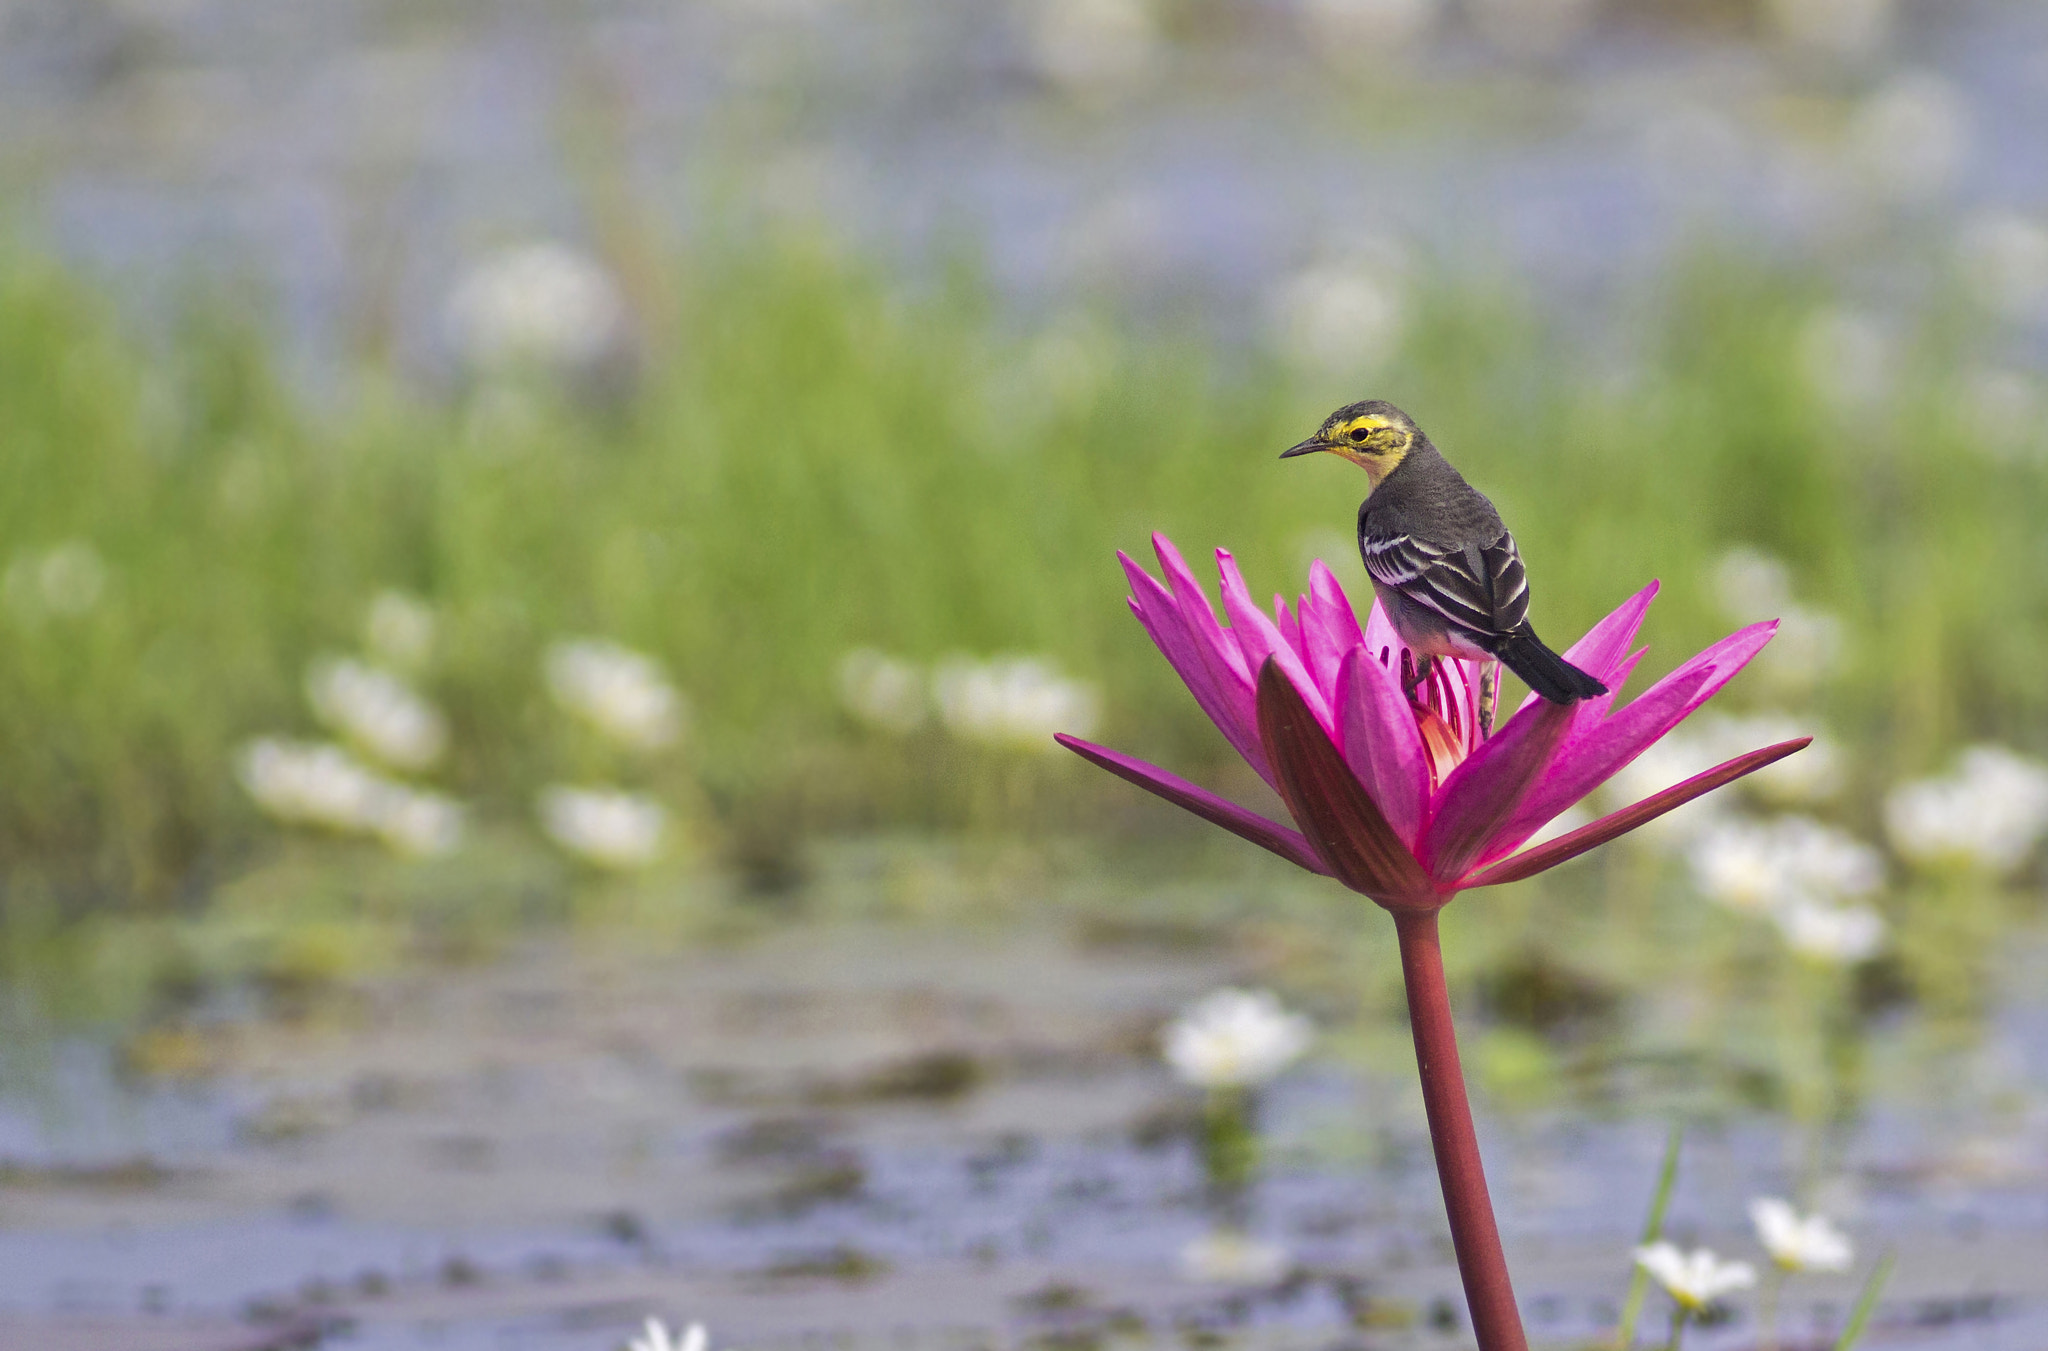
(1402, 791)
(1407, 798)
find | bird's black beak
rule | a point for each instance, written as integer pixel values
(1307, 447)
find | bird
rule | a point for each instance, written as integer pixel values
(1443, 564)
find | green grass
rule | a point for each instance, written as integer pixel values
(824, 460)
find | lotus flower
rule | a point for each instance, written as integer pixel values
(1404, 791)
(1408, 798)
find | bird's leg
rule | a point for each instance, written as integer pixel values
(1412, 676)
(1489, 695)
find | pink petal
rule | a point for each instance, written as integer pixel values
(1328, 631)
(1553, 852)
(1587, 762)
(1203, 658)
(1193, 603)
(1289, 626)
(1605, 646)
(1381, 744)
(1381, 640)
(1249, 825)
(1482, 794)
(1338, 816)
(1259, 639)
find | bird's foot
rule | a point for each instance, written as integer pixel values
(1413, 674)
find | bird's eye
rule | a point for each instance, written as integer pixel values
(1359, 433)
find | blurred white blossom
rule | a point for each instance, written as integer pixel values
(1093, 47)
(1911, 139)
(1234, 1038)
(1774, 864)
(2004, 411)
(377, 711)
(413, 821)
(622, 693)
(1845, 29)
(657, 1337)
(608, 827)
(1796, 1242)
(1849, 359)
(1837, 934)
(1800, 779)
(540, 304)
(2003, 259)
(320, 784)
(1018, 701)
(1228, 1257)
(1357, 32)
(400, 629)
(1345, 315)
(1695, 1279)
(1989, 814)
(67, 579)
(882, 691)
(1753, 586)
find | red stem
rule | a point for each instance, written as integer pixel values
(1475, 1236)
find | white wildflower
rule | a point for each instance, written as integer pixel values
(1837, 935)
(1989, 814)
(1018, 701)
(416, 822)
(1912, 138)
(657, 1337)
(622, 693)
(540, 304)
(311, 783)
(1342, 316)
(1797, 1243)
(607, 827)
(881, 691)
(377, 711)
(320, 784)
(1093, 47)
(1695, 1279)
(1227, 1257)
(1235, 1038)
(1767, 865)
(1807, 776)
(1849, 359)
(2003, 258)
(400, 629)
(68, 579)
(1665, 763)
(1751, 584)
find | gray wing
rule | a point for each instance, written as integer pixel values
(1480, 588)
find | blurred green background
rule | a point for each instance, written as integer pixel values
(823, 355)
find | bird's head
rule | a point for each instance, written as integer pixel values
(1374, 435)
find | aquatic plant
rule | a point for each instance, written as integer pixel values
(1405, 792)
(1694, 1280)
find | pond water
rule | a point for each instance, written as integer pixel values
(843, 1132)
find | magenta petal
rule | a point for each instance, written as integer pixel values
(1588, 761)
(1549, 854)
(1259, 639)
(1482, 794)
(1249, 825)
(1203, 659)
(1601, 652)
(1381, 744)
(1333, 809)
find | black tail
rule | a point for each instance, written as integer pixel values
(1543, 671)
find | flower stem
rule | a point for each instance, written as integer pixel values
(1474, 1235)
(1679, 1315)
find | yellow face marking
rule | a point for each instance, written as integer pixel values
(1372, 443)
